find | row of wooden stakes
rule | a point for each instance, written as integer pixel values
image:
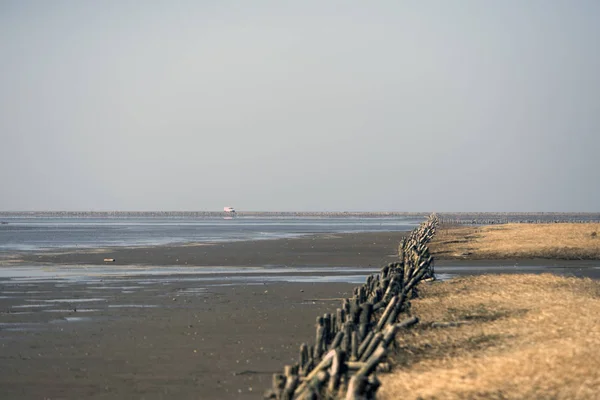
(351, 344)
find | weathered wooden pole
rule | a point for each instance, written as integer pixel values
(320, 367)
(357, 388)
(365, 320)
(365, 343)
(319, 338)
(386, 313)
(354, 345)
(347, 339)
(340, 317)
(327, 329)
(337, 369)
(372, 346)
(278, 385)
(303, 360)
(291, 382)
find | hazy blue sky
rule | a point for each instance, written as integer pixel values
(300, 105)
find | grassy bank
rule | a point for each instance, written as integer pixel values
(562, 241)
(501, 337)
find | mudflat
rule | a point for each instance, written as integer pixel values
(347, 249)
(179, 339)
(198, 335)
(80, 328)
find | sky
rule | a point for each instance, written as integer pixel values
(309, 105)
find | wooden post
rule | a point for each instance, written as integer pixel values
(354, 345)
(372, 361)
(291, 382)
(337, 369)
(373, 386)
(311, 391)
(354, 309)
(389, 335)
(365, 343)
(346, 306)
(340, 316)
(319, 338)
(278, 385)
(407, 323)
(303, 359)
(324, 364)
(357, 388)
(337, 340)
(365, 319)
(334, 326)
(327, 329)
(372, 345)
(387, 312)
(362, 294)
(347, 339)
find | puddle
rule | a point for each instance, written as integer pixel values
(18, 312)
(72, 300)
(444, 277)
(26, 292)
(192, 291)
(132, 306)
(70, 319)
(259, 280)
(19, 326)
(77, 319)
(89, 273)
(236, 284)
(32, 305)
(357, 279)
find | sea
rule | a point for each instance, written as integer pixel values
(38, 233)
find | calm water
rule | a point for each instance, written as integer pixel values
(39, 233)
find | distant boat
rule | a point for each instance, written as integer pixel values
(229, 213)
(4, 222)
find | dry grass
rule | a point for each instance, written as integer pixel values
(519, 337)
(564, 241)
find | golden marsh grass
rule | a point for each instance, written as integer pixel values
(514, 337)
(558, 241)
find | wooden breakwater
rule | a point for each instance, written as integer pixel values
(351, 345)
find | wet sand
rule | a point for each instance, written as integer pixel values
(350, 249)
(79, 328)
(147, 332)
(152, 338)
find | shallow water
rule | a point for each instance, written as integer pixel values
(124, 287)
(42, 233)
(582, 270)
(93, 274)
